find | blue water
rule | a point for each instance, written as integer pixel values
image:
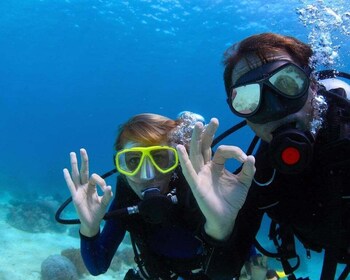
(72, 71)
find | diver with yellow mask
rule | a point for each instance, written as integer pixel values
(173, 231)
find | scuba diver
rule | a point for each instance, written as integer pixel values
(174, 228)
(303, 159)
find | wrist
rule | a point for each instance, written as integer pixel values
(89, 231)
(220, 233)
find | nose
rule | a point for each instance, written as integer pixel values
(273, 107)
(147, 170)
(273, 102)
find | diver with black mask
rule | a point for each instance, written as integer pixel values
(303, 159)
(272, 92)
(173, 231)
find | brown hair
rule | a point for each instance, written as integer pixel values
(261, 45)
(148, 129)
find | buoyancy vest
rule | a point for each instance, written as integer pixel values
(313, 205)
(170, 248)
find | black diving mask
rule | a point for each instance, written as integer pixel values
(270, 92)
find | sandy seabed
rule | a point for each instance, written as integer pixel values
(21, 253)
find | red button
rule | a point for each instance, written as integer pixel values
(290, 155)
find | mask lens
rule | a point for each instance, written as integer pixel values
(164, 158)
(290, 81)
(128, 161)
(246, 98)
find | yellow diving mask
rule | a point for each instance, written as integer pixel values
(129, 161)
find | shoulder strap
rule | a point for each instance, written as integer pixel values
(285, 249)
(336, 134)
(140, 263)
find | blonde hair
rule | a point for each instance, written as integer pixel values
(148, 129)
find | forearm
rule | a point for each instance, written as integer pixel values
(95, 258)
(98, 251)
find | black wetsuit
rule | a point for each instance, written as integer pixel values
(314, 205)
(174, 246)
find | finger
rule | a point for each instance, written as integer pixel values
(247, 173)
(187, 168)
(107, 190)
(69, 181)
(196, 138)
(207, 139)
(224, 153)
(75, 170)
(84, 170)
(96, 179)
(196, 147)
(107, 195)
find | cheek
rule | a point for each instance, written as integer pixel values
(134, 184)
(263, 131)
(163, 179)
(134, 180)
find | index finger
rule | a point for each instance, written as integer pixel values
(224, 153)
(246, 175)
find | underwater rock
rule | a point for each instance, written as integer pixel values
(127, 239)
(57, 267)
(125, 256)
(34, 216)
(128, 256)
(75, 257)
(116, 263)
(73, 231)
